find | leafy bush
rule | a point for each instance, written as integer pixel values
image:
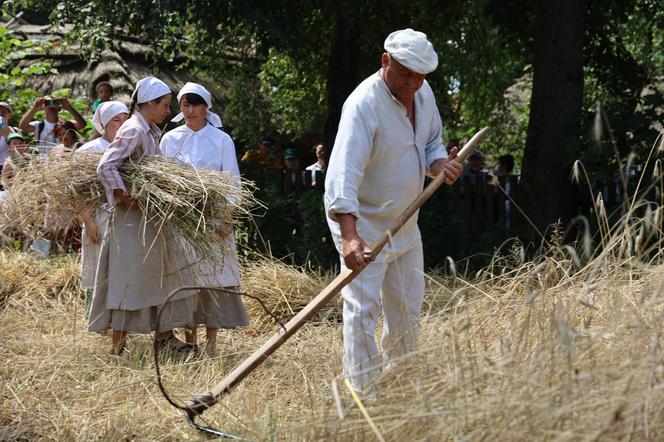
(12, 77)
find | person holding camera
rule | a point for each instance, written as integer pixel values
(44, 131)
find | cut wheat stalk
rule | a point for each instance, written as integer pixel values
(192, 202)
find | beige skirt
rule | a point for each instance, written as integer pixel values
(216, 309)
(178, 313)
(137, 268)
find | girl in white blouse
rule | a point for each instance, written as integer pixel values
(201, 144)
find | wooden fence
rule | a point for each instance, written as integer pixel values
(480, 200)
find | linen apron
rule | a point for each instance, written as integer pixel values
(138, 267)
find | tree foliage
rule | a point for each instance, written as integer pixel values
(12, 76)
(284, 51)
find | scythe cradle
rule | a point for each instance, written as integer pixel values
(202, 402)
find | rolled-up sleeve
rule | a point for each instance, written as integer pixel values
(434, 149)
(350, 156)
(118, 151)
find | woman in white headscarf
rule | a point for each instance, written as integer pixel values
(199, 143)
(107, 119)
(137, 266)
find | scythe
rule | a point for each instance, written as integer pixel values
(201, 402)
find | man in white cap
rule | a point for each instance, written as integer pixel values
(389, 138)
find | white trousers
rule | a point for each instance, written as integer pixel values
(396, 280)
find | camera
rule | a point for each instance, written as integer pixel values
(52, 102)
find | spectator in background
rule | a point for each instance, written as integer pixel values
(291, 160)
(475, 165)
(452, 143)
(44, 131)
(319, 165)
(263, 155)
(473, 171)
(504, 167)
(67, 136)
(104, 91)
(17, 148)
(5, 131)
(292, 176)
(65, 238)
(292, 166)
(18, 156)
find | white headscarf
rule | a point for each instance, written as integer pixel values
(105, 113)
(195, 88)
(148, 89)
(412, 50)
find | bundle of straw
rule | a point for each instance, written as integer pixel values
(284, 289)
(193, 202)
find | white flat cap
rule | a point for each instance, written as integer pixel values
(413, 50)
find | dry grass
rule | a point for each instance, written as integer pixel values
(22, 274)
(564, 347)
(540, 350)
(283, 288)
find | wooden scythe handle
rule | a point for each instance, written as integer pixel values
(463, 154)
(204, 401)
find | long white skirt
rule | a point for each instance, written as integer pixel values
(216, 308)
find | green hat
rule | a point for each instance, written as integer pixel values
(13, 135)
(290, 154)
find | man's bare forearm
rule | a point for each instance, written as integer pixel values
(348, 225)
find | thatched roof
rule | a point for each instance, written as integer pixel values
(122, 66)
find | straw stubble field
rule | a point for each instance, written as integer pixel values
(541, 350)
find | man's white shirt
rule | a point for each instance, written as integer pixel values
(379, 161)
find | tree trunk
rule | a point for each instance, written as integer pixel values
(553, 138)
(341, 71)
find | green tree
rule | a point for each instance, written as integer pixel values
(289, 65)
(13, 73)
(300, 59)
